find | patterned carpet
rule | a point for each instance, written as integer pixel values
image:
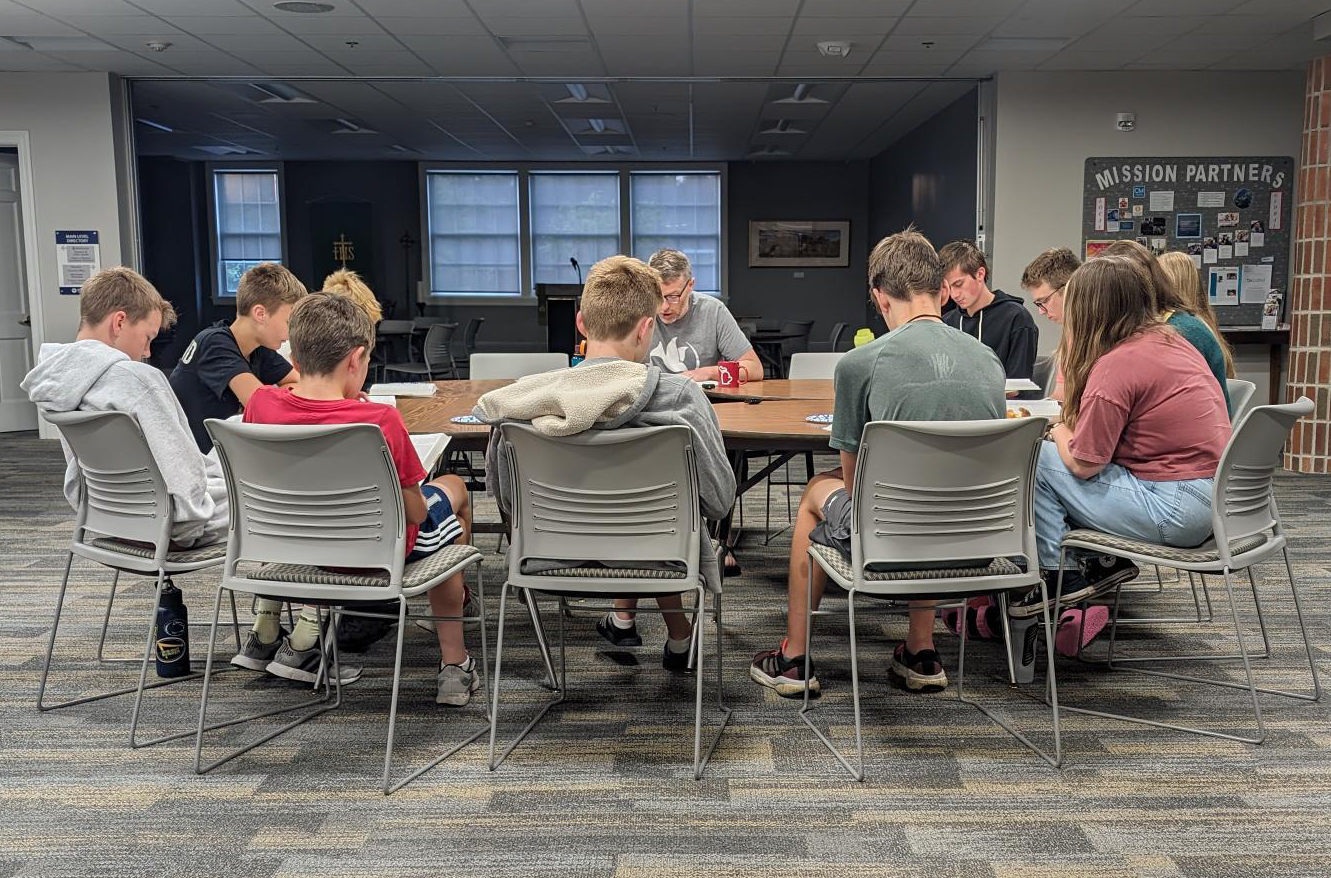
(604, 786)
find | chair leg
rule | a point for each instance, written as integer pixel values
(1251, 688)
(856, 771)
(322, 705)
(726, 712)
(499, 659)
(538, 627)
(106, 620)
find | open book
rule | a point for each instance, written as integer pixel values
(429, 448)
(405, 388)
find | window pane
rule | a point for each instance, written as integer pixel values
(249, 223)
(683, 212)
(572, 216)
(473, 233)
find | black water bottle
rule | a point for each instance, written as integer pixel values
(172, 634)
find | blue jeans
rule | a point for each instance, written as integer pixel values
(1117, 502)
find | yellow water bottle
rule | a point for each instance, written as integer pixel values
(863, 336)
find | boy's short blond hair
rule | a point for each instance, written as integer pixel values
(324, 328)
(620, 291)
(268, 284)
(350, 284)
(122, 289)
(905, 265)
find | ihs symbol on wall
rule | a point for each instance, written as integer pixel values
(344, 251)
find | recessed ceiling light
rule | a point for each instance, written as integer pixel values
(303, 6)
(158, 125)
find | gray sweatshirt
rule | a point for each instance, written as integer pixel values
(91, 376)
(658, 399)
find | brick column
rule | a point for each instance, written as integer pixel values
(1309, 449)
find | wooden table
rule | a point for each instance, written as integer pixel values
(434, 414)
(774, 388)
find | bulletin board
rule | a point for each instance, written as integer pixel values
(1231, 214)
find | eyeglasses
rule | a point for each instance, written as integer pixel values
(674, 298)
(1043, 304)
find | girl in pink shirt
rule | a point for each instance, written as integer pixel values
(1144, 425)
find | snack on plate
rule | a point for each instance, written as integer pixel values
(1019, 412)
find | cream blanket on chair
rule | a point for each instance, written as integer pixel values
(568, 401)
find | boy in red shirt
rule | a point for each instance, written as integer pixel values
(331, 341)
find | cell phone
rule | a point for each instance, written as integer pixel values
(753, 401)
(707, 385)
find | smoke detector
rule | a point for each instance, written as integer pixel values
(834, 48)
(158, 45)
(303, 6)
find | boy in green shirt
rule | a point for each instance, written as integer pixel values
(922, 370)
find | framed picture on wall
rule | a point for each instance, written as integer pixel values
(799, 244)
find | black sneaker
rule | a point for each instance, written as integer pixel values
(919, 671)
(1106, 572)
(618, 636)
(676, 662)
(786, 675)
(1075, 590)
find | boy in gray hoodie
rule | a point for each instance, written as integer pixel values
(120, 313)
(613, 388)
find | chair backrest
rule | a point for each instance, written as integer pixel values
(490, 366)
(438, 339)
(627, 495)
(1044, 373)
(813, 365)
(123, 494)
(747, 325)
(1242, 503)
(930, 492)
(840, 336)
(322, 495)
(1240, 395)
(424, 322)
(469, 334)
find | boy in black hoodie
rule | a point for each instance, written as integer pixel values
(992, 316)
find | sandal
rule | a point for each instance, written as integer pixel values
(981, 619)
(1094, 621)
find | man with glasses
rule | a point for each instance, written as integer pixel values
(1044, 280)
(694, 331)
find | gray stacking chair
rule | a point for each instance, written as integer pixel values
(804, 365)
(609, 498)
(1240, 396)
(123, 522)
(927, 495)
(306, 502)
(1247, 530)
(492, 366)
(437, 360)
(1045, 373)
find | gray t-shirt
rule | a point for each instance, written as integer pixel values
(921, 371)
(704, 336)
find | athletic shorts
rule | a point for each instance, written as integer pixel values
(440, 527)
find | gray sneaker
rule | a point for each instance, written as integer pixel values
(303, 665)
(456, 683)
(255, 654)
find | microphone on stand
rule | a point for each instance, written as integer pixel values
(573, 260)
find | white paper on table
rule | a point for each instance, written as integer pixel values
(1226, 251)
(1240, 248)
(1254, 284)
(384, 400)
(1257, 239)
(1210, 199)
(1161, 200)
(429, 447)
(406, 388)
(1016, 385)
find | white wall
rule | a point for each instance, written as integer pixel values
(68, 117)
(1048, 124)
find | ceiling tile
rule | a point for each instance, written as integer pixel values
(1299, 10)
(364, 43)
(941, 42)
(705, 42)
(181, 44)
(415, 8)
(744, 8)
(1085, 59)
(115, 61)
(845, 26)
(535, 27)
(30, 24)
(207, 25)
(908, 69)
(33, 62)
(432, 26)
(115, 24)
(1184, 7)
(212, 64)
(300, 25)
(274, 41)
(1067, 26)
(171, 8)
(1245, 24)
(62, 8)
(934, 26)
(737, 26)
(853, 8)
(965, 8)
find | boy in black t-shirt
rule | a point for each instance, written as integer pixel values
(225, 364)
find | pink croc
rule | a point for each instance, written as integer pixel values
(1071, 622)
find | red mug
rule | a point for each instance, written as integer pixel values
(729, 373)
